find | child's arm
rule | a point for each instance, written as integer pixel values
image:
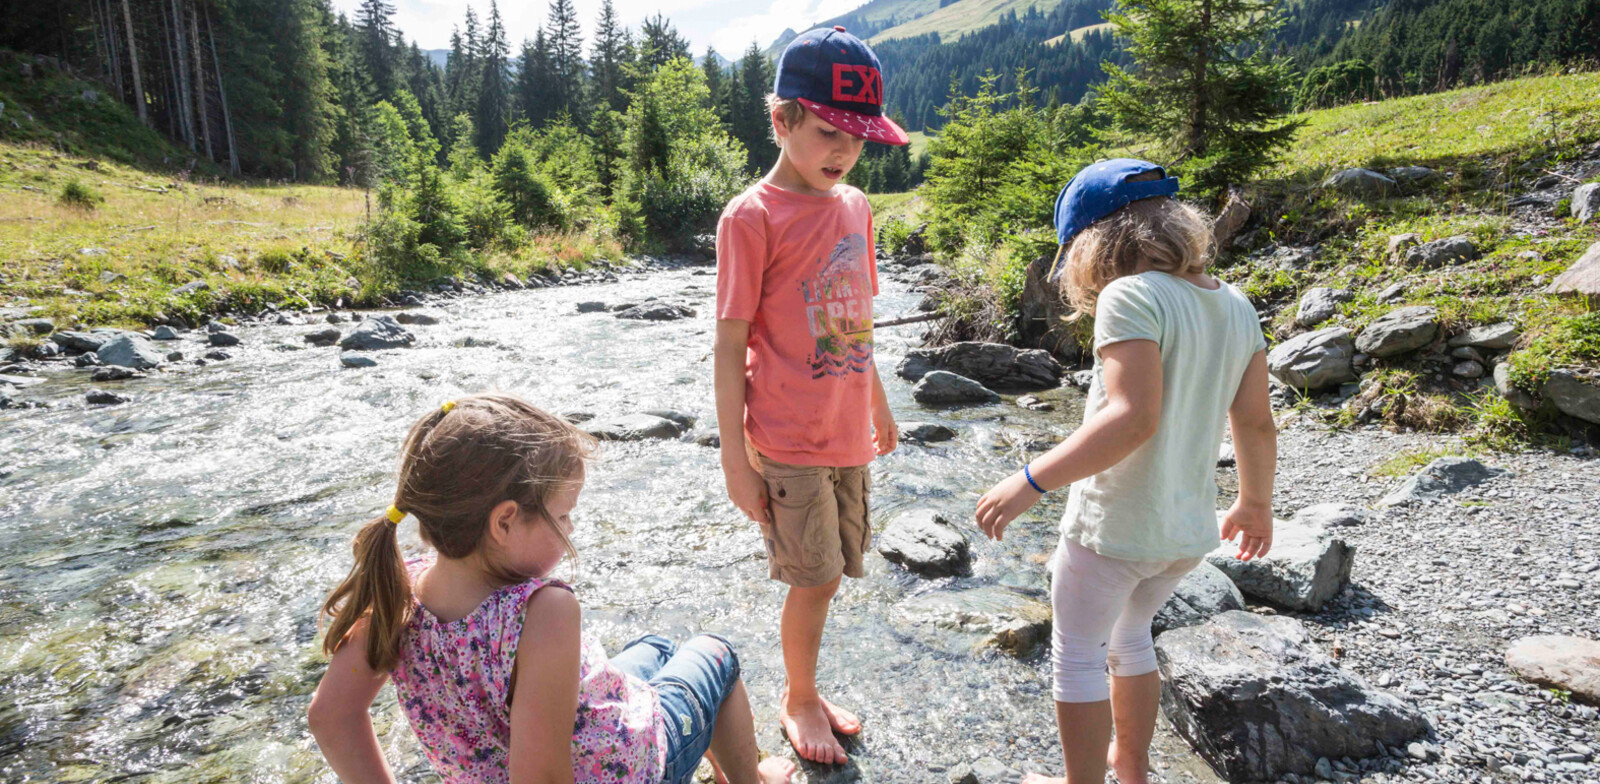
(885, 433)
(1255, 446)
(745, 486)
(544, 701)
(1130, 416)
(340, 717)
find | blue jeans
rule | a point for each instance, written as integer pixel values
(693, 680)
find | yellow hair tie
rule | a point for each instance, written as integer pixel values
(448, 406)
(395, 515)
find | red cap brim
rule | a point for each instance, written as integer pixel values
(873, 129)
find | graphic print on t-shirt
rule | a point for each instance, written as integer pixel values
(839, 310)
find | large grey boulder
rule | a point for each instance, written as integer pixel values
(925, 432)
(1399, 331)
(1574, 395)
(420, 318)
(1450, 250)
(131, 351)
(923, 541)
(1331, 515)
(322, 337)
(632, 427)
(1204, 592)
(1258, 700)
(1582, 278)
(1361, 183)
(1320, 304)
(994, 365)
(941, 387)
(1444, 476)
(375, 333)
(1493, 337)
(1307, 566)
(1314, 360)
(164, 332)
(989, 616)
(656, 311)
(88, 342)
(1568, 663)
(1586, 202)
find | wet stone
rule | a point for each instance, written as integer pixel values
(222, 339)
(632, 427)
(926, 543)
(1307, 566)
(941, 387)
(925, 432)
(322, 337)
(990, 616)
(100, 397)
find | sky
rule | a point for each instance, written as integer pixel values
(729, 25)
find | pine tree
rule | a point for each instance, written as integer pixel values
(716, 85)
(565, 42)
(1202, 83)
(609, 60)
(533, 82)
(375, 22)
(660, 43)
(494, 100)
(748, 119)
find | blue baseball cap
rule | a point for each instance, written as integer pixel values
(1103, 188)
(837, 77)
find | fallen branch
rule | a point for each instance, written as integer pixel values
(917, 319)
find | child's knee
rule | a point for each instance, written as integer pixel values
(720, 650)
(662, 644)
(1079, 667)
(1133, 656)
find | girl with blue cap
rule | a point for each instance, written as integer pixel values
(1178, 354)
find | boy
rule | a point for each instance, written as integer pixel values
(800, 406)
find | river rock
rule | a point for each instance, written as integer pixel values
(164, 332)
(377, 332)
(131, 351)
(351, 359)
(36, 326)
(218, 355)
(925, 432)
(1494, 337)
(1582, 278)
(100, 397)
(1204, 592)
(1314, 360)
(1450, 250)
(1574, 395)
(1331, 515)
(657, 311)
(1469, 369)
(632, 427)
(1361, 183)
(987, 616)
(1568, 663)
(591, 307)
(1399, 331)
(421, 318)
(113, 373)
(1258, 700)
(984, 771)
(322, 337)
(1320, 304)
(1444, 476)
(923, 541)
(222, 339)
(80, 341)
(942, 387)
(1586, 202)
(1307, 566)
(684, 421)
(994, 365)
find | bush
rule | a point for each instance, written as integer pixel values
(701, 176)
(78, 196)
(528, 194)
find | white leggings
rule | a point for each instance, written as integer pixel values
(1103, 608)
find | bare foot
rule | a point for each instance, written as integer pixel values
(842, 721)
(1034, 778)
(775, 770)
(809, 731)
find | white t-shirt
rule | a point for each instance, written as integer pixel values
(1159, 503)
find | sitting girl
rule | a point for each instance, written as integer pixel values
(486, 652)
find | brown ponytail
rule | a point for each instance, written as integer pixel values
(378, 589)
(455, 467)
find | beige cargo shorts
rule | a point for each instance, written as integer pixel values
(818, 527)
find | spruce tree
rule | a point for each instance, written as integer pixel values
(715, 83)
(494, 99)
(375, 23)
(609, 60)
(533, 82)
(660, 43)
(565, 42)
(1203, 84)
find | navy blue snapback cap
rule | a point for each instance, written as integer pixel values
(835, 76)
(1103, 188)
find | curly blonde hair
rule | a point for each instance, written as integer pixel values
(1162, 232)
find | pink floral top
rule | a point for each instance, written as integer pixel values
(454, 684)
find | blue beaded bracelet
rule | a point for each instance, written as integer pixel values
(1029, 474)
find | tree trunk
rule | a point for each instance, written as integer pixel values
(222, 93)
(133, 60)
(200, 83)
(170, 100)
(114, 51)
(185, 115)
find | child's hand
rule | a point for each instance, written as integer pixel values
(885, 434)
(747, 490)
(1254, 521)
(1003, 503)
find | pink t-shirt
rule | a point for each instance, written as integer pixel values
(801, 270)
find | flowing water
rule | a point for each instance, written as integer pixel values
(161, 562)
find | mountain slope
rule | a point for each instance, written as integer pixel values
(961, 17)
(866, 21)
